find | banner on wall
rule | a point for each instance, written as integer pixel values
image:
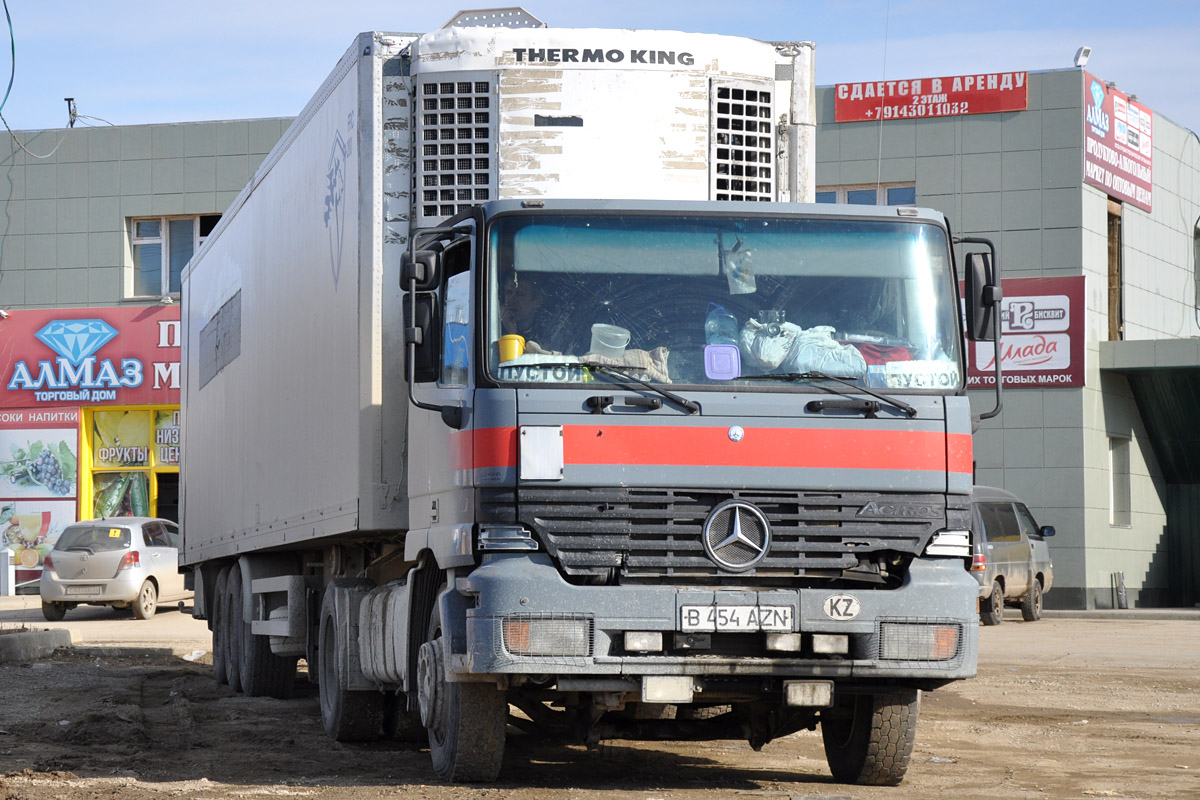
(921, 98)
(1118, 143)
(1042, 342)
(90, 356)
(39, 481)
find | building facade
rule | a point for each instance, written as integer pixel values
(1093, 202)
(96, 225)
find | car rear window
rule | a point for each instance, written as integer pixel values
(90, 537)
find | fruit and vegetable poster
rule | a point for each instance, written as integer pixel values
(39, 480)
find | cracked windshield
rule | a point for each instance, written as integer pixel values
(701, 302)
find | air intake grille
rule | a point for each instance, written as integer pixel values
(743, 156)
(654, 535)
(455, 137)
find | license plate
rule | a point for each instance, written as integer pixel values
(85, 590)
(735, 618)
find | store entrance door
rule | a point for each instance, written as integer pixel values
(168, 495)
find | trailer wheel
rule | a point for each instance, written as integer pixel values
(1031, 604)
(217, 620)
(992, 612)
(869, 737)
(465, 721)
(232, 627)
(347, 716)
(262, 672)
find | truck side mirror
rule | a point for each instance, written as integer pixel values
(424, 267)
(1047, 530)
(423, 333)
(983, 298)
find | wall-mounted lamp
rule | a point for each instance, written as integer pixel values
(1082, 55)
(3, 314)
(166, 300)
(1133, 98)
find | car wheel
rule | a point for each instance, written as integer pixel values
(54, 611)
(147, 600)
(992, 612)
(1031, 604)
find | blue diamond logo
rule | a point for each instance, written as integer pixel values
(76, 339)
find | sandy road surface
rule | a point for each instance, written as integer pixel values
(1062, 708)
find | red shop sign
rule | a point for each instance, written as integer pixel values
(90, 356)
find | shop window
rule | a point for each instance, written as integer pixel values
(133, 455)
(1119, 494)
(161, 248)
(874, 195)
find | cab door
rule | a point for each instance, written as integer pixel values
(438, 484)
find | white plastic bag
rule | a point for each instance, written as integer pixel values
(795, 349)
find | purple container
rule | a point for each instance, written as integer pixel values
(722, 362)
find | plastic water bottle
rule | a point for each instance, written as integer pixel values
(720, 327)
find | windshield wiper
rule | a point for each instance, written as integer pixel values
(691, 406)
(844, 379)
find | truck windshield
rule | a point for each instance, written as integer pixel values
(704, 301)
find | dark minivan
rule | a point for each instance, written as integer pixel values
(1009, 555)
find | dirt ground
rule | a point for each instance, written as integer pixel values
(1062, 708)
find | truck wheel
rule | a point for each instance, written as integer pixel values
(147, 600)
(232, 625)
(1031, 604)
(399, 723)
(217, 620)
(869, 737)
(347, 716)
(465, 721)
(992, 612)
(54, 611)
(263, 672)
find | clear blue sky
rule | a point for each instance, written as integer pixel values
(143, 61)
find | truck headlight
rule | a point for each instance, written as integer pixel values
(903, 641)
(534, 635)
(956, 544)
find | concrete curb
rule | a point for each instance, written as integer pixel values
(26, 646)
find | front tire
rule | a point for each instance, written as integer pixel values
(869, 737)
(147, 600)
(992, 612)
(1031, 604)
(54, 612)
(465, 721)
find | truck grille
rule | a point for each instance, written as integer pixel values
(656, 534)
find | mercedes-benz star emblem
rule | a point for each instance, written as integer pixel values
(736, 536)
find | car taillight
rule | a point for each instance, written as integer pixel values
(131, 559)
(48, 562)
(978, 562)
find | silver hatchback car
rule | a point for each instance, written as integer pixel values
(124, 562)
(1010, 558)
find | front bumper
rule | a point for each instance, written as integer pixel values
(511, 589)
